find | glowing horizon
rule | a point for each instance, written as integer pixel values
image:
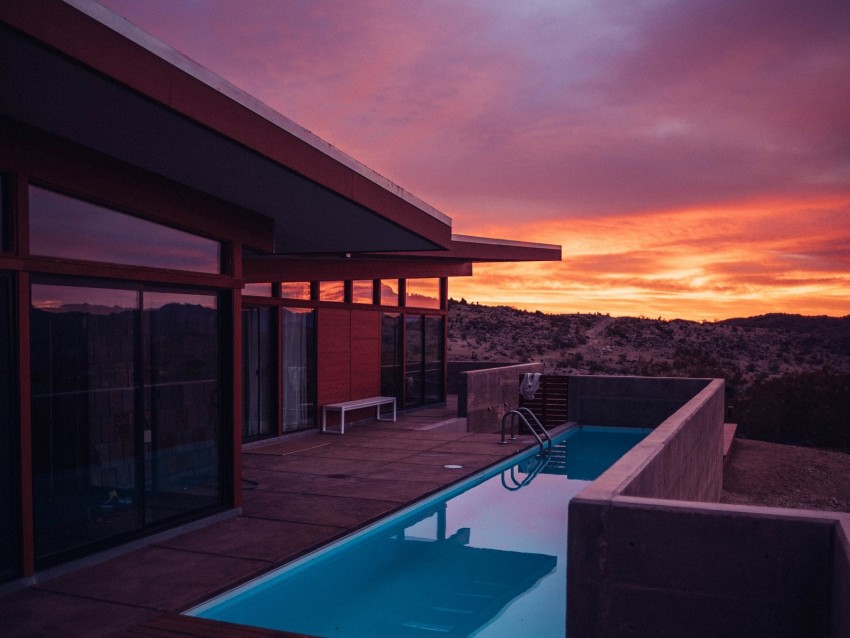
(692, 157)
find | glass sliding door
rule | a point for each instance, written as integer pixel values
(391, 356)
(84, 357)
(423, 360)
(298, 368)
(258, 364)
(434, 368)
(10, 484)
(182, 403)
(126, 419)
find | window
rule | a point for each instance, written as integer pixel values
(295, 290)
(126, 411)
(257, 290)
(362, 291)
(331, 291)
(62, 226)
(389, 292)
(422, 293)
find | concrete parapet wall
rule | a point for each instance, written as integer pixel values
(649, 554)
(628, 401)
(672, 568)
(488, 394)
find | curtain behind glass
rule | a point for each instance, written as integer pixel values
(298, 368)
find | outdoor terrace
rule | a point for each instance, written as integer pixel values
(299, 494)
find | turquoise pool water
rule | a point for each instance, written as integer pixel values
(484, 558)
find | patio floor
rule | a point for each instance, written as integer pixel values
(298, 494)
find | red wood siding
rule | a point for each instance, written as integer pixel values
(365, 353)
(334, 355)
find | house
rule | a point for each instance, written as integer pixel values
(182, 270)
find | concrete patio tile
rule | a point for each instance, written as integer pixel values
(157, 578)
(490, 447)
(345, 513)
(433, 435)
(398, 444)
(433, 473)
(324, 465)
(33, 613)
(363, 453)
(254, 538)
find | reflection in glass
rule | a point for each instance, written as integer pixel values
(422, 293)
(391, 356)
(413, 360)
(331, 291)
(257, 290)
(182, 402)
(62, 226)
(424, 360)
(125, 411)
(298, 368)
(84, 415)
(389, 292)
(295, 290)
(10, 529)
(361, 291)
(257, 373)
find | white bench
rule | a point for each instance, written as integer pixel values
(356, 404)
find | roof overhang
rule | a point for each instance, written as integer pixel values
(456, 261)
(78, 71)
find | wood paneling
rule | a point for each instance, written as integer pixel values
(334, 355)
(365, 353)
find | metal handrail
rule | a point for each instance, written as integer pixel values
(542, 461)
(519, 412)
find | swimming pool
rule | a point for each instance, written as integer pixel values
(485, 558)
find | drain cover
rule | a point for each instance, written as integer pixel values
(453, 467)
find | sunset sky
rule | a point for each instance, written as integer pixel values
(691, 156)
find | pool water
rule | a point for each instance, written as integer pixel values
(484, 558)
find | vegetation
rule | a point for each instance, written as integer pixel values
(787, 376)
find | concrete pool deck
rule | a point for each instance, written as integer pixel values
(298, 494)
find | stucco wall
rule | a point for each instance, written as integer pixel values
(488, 394)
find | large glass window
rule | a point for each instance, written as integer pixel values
(10, 528)
(298, 368)
(258, 363)
(62, 226)
(391, 355)
(422, 293)
(126, 411)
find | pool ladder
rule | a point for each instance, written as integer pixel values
(537, 429)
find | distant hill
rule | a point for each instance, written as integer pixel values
(752, 354)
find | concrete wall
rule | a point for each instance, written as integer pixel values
(489, 394)
(840, 617)
(628, 401)
(649, 555)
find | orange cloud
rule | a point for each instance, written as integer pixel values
(692, 264)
